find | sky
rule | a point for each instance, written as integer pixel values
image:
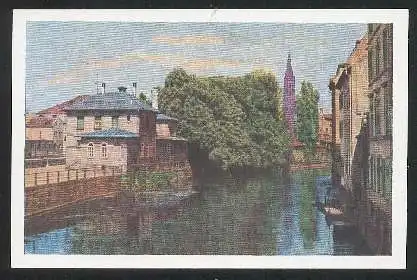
(65, 59)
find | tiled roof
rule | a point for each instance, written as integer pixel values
(110, 101)
(109, 133)
(59, 108)
(162, 117)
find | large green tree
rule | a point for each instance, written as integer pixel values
(307, 115)
(234, 120)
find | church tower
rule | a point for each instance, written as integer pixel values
(289, 99)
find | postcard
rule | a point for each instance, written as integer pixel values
(209, 138)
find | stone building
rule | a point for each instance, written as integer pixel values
(43, 140)
(380, 136)
(118, 130)
(350, 87)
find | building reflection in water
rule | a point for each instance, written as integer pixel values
(258, 216)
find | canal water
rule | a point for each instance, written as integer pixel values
(258, 216)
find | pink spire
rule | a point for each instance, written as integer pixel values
(289, 98)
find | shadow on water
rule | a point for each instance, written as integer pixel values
(232, 215)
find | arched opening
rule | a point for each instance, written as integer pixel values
(104, 150)
(90, 150)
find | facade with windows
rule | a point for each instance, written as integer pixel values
(108, 129)
(170, 147)
(118, 130)
(43, 141)
(380, 133)
(352, 86)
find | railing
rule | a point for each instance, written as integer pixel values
(59, 176)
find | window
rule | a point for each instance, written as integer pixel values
(145, 122)
(80, 123)
(341, 129)
(377, 116)
(388, 110)
(90, 150)
(370, 62)
(388, 177)
(104, 150)
(115, 121)
(385, 48)
(128, 118)
(378, 51)
(142, 150)
(97, 123)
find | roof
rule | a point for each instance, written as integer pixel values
(59, 108)
(162, 117)
(110, 101)
(109, 133)
(40, 122)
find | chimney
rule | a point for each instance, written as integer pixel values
(154, 95)
(103, 88)
(135, 85)
(122, 89)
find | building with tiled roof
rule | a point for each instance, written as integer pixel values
(118, 129)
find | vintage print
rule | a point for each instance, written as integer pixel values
(208, 138)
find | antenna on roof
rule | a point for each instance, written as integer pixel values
(101, 87)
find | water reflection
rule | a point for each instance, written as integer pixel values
(258, 216)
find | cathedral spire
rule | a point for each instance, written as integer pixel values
(289, 67)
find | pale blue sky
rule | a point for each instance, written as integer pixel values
(63, 59)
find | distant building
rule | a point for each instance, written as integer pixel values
(43, 140)
(289, 99)
(325, 129)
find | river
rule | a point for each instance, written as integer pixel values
(263, 215)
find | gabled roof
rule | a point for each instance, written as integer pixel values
(162, 117)
(109, 133)
(59, 108)
(110, 101)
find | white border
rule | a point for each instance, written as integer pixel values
(400, 89)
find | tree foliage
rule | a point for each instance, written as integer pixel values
(143, 98)
(307, 115)
(234, 119)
